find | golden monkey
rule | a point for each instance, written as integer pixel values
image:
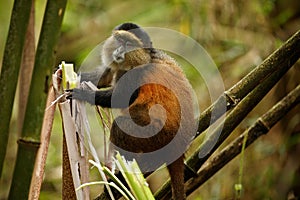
(157, 121)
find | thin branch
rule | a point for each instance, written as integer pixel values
(261, 127)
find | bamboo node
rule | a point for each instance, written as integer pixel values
(231, 101)
(29, 143)
(263, 126)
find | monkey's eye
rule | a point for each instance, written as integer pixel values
(121, 41)
(129, 44)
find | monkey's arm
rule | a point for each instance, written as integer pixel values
(103, 97)
(101, 78)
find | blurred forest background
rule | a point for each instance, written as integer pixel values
(238, 35)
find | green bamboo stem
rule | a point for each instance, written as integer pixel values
(246, 105)
(290, 50)
(259, 128)
(26, 68)
(44, 63)
(10, 68)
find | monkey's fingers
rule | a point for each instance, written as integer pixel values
(69, 90)
(81, 95)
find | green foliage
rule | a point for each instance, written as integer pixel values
(134, 178)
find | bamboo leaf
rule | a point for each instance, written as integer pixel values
(134, 178)
(118, 182)
(104, 183)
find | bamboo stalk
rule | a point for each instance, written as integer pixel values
(266, 75)
(259, 128)
(219, 135)
(72, 159)
(287, 54)
(68, 189)
(39, 168)
(10, 68)
(44, 63)
(26, 69)
(209, 146)
(292, 46)
(75, 166)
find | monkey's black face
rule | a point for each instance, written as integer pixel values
(126, 43)
(118, 55)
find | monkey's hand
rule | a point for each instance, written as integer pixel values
(82, 95)
(98, 97)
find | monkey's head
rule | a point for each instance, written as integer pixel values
(127, 47)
